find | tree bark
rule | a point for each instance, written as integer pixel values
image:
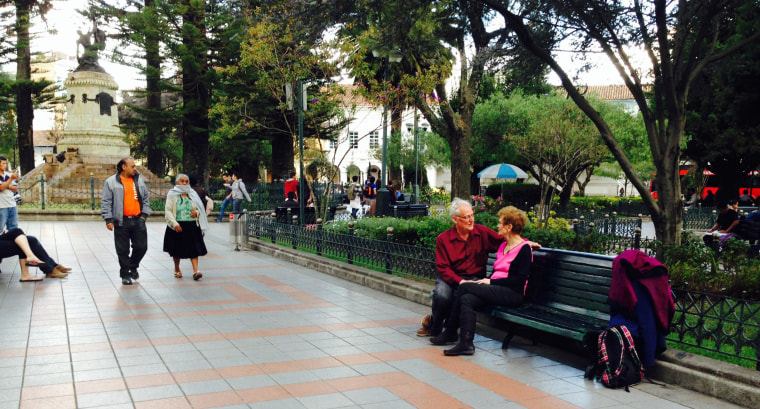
(153, 129)
(195, 94)
(24, 105)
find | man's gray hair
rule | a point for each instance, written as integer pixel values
(457, 204)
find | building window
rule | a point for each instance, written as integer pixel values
(332, 142)
(353, 140)
(374, 141)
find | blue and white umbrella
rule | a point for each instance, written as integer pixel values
(503, 171)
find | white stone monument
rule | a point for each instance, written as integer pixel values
(92, 120)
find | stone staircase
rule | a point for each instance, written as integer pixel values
(77, 180)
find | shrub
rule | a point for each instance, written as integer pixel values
(515, 194)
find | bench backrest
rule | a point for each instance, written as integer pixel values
(569, 280)
(749, 230)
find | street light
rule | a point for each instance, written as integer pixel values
(383, 194)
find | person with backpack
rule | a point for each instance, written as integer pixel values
(370, 193)
(354, 196)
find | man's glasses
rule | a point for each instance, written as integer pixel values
(468, 217)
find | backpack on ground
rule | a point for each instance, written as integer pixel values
(618, 364)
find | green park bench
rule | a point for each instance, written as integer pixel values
(567, 296)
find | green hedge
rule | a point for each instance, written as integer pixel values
(515, 193)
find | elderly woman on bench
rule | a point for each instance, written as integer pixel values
(30, 253)
(506, 286)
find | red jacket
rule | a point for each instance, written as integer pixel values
(635, 265)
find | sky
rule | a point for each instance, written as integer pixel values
(64, 21)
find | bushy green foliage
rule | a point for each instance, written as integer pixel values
(515, 193)
(695, 266)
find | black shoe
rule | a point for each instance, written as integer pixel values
(462, 348)
(444, 338)
(126, 280)
(134, 274)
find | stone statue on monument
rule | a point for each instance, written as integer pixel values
(88, 61)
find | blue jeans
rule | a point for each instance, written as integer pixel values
(237, 205)
(225, 202)
(8, 218)
(133, 230)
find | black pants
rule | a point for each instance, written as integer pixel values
(133, 232)
(9, 248)
(471, 297)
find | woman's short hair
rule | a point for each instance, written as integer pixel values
(181, 176)
(514, 216)
(456, 204)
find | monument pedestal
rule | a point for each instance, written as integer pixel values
(92, 120)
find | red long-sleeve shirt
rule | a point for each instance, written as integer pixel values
(455, 257)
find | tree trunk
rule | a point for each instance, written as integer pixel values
(460, 164)
(283, 154)
(195, 94)
(394, 175)
(153, 129)
(24, 105)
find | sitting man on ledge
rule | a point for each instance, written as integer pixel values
(461, 253)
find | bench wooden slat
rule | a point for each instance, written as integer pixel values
(568, 292)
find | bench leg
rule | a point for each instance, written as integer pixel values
(507, 340)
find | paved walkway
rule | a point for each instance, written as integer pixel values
(256, 332)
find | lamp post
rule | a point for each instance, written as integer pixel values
(383, 194)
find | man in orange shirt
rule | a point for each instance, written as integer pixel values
(124, 206)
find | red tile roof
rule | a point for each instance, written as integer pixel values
(606, 92)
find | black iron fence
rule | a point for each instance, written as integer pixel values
(716, 323)
(723, 325)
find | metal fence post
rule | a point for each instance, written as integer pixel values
(42, 189)
(295, 232)
(350, 252)
(637, 238)
(388, 255)
(607, 224)
(273, 225)
(319, 236)
(92, 190)
(614, 224)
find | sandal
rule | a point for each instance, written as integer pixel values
(177, 274)
(197, 276)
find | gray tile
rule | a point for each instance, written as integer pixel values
(103, 398)
(327, 401)
(373, 368)
(197, 388)
(10, 394)
(278, 404)
(51, 368)
(249, 382)
(50, 379)
(95, 364)
(141, 370)
(182, 366)
(372, 395)
(156, 392)
(286, 378)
